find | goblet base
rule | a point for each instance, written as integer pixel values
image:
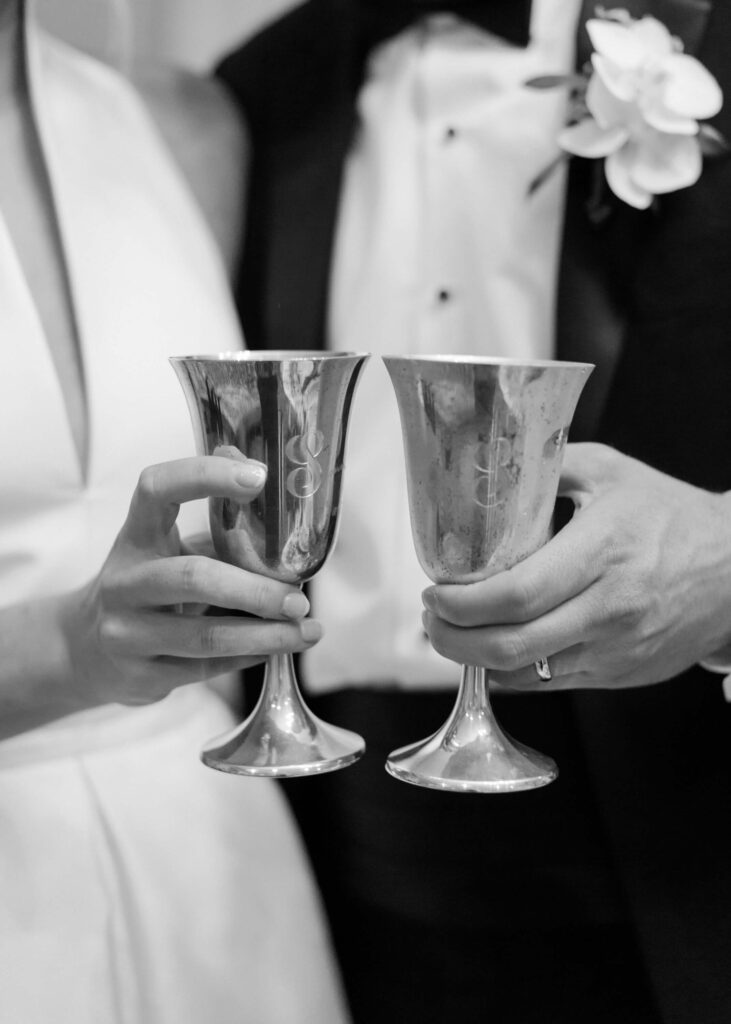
(506, 768)
(281, 738)
(471, 753)
(260, 748)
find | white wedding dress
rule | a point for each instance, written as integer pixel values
(136, 885)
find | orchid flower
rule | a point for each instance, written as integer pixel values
(644, 101)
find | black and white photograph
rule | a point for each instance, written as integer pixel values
(365, 512)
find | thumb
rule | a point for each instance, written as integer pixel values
(163, 488)
(587, 470)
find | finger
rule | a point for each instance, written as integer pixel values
(516, 646)
(574, 669)
(195, 636)
(195, 579)
(163, 488)
(158, 678)
(590, 469)
(173, 672)
(570, 670)
(562, 569)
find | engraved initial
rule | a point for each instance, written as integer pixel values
(303, 449)
(488, 459)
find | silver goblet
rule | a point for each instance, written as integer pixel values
(290, 411)
(483, 441)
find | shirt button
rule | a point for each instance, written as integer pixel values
(449, 134)
(443, 295)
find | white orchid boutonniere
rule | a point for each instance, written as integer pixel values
(639, 108)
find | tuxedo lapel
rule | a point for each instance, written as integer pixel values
(297, 88)
(302, 189)
(593, 279)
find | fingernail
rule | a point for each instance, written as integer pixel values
(295, 606)
(253, 474)
(429, 598)
(311, 630)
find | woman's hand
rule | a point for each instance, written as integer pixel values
(136, 632)
(635, 589)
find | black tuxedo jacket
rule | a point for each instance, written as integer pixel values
(646, 295)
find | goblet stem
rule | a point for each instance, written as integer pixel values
(281, 737)
(471, 753)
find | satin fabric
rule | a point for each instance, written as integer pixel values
(136, 886)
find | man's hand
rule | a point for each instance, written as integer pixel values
(136, 632)
(635, 589)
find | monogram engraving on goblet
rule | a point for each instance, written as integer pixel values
(304, 481)
(491, 459)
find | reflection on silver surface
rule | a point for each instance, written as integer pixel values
(288, 410)
(483, 440)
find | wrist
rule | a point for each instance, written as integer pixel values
(36, 680)
(72, 629)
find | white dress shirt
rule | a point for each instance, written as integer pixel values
(440, 248)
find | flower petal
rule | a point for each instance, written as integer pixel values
(617, 170)
(690, 89)
(588, 139)
(653, 37)
(657, 116)
(620, 82)
(665, 163)
(605, 107)
(615, 41)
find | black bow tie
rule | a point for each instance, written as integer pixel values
(509, 19)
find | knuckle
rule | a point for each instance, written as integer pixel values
(258, 598)
(617, 544)
(609, 456)
(200, 470)
(522, 599)
(287, 638)
(626, 607)
(209, 640)
(632, 610)
(147, 483)
(284, 636)
(194, 576)
(509, 652)
(112, 631)
(606, 460)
